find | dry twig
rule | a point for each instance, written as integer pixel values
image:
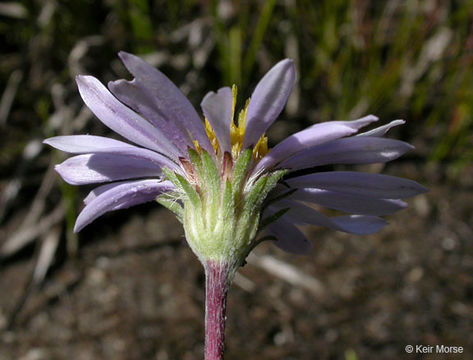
(287, 272)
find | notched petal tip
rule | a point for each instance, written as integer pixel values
(113, 84)
(170, 101)
(214, 96)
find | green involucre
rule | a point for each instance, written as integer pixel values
(221, 216)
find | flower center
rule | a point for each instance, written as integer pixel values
(237, 134)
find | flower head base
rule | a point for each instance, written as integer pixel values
(218, 176)
(220, 214)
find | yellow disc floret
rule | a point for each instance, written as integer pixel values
(237, 134)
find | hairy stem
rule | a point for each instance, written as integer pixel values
(216, 288)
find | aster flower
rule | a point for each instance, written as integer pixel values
(220, 178)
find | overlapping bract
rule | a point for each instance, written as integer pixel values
(151, 112)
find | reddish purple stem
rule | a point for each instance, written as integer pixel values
(216, 287)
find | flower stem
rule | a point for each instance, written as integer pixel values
(216, 288)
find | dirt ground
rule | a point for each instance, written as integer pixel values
(135, 290)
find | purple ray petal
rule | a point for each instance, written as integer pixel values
(83, 144)
(168, 96)
(352, 150)
(120, 196)
(315, 135)
(353, 224)
(359, 224)
(104, 167)
(103, 188)
(100, 190)
(120, 118)
(268, 100)
(133, 94)
(86, 144)
(382, 130)
(218, 109)
(357, 183)
(349, 203)
(289, 237)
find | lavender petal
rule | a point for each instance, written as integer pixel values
(83, 144)
(218, 109)
(137, 97)
(103, 188)
(100, 190)
(315, 135)
(268, 100)
(352, 150)
(358, 183)
(168, 96)
(289, 237)
(104, 167)
(349, 203)
(359, 224)
(120, 118)
(86, 144)
(353, 224)
(120, 196)
(382, 130)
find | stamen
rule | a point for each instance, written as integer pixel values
(198, 148)
(261, 148)
(212, 137)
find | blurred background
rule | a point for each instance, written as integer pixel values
(127, 287)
